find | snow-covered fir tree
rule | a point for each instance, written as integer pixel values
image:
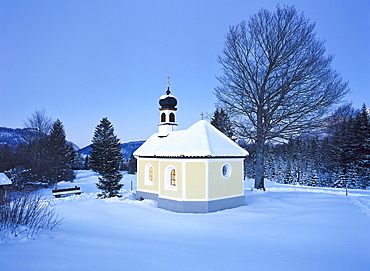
(362, 123)
(7, 158)
(132, 165)
(288, 178)
(312, 176)
(345, 147)
(106, 159)
(60, 155)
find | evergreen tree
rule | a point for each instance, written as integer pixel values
(222, 122)
(270, 163)
(312, 178)
(296, 158)
(344, 147)
(87, 164)
(288, 179)
(362, 131)
(249, 161)
(132, 165)
(78, 162)
(340, 157)
(106, 158)
(7, 158)
(60, 155)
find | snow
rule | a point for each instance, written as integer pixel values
(166, 96)
(285, 228)
(200, 139)
(4, 180)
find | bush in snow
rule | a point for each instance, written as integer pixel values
(26, 212)
(21, 179)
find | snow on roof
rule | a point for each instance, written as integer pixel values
(165, 96)
(199, 140)
(4, 180)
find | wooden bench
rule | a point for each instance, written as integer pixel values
(66, 191)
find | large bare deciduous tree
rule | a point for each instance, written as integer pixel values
(277, 80)
(40, 123)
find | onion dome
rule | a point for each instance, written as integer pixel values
(168, 101)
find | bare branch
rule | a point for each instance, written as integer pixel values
(277, 80)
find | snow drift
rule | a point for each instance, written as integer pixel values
(285, 228)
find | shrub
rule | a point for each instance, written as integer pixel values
(26, 212)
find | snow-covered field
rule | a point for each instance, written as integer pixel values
(284, 228)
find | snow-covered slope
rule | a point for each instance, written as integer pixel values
(13, 137)
(284, 228)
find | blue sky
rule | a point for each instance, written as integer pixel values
(85, 60)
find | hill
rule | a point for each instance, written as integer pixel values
(14, 137)
(127, 148)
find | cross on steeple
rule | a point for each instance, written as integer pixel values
(168, 92)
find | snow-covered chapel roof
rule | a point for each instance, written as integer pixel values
(4, 180)
(199, 140)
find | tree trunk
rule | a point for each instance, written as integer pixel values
(260, 170)
(277, 79)
(260, 143)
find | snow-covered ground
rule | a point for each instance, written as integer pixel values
(284, 228)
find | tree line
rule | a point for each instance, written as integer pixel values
(47, 158)
(278, 84)
(277, 81)
(44, 159)
(337, 154)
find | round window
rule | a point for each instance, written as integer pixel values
(226, 171)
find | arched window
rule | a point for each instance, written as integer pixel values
(172, 117)
(170, 178)
(148, 175)
(163, 117)
(151, 174)
(173, 177)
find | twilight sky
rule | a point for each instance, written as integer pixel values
(83, 60)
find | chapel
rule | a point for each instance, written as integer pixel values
(196, 170)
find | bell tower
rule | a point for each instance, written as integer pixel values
(167, 113)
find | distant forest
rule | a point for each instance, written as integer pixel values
(40, 156)
(335, 155)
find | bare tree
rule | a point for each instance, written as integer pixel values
(40, 124)
(277, 80)
(37, 143)
(334, 123)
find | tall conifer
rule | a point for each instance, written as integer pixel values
(362, 123)
(106, 158)
(221, 121)
(60, 155)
